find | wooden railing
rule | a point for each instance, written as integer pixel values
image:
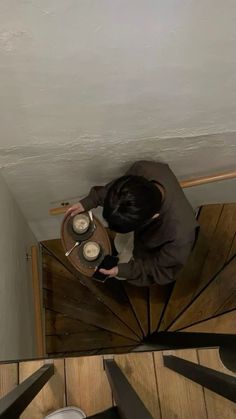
(184, 184)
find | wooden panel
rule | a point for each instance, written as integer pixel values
(217, 406)
(85, 341)
(87, 385)
(220, 246)
(40, 344)
(51, 397)
(87, 310)
(111, 294)
(8, 378)
(158, 298)
(225, 323)
(139, 300)
(55, 267)
(55, 248)
(60, 324)
(232, 252)
(179, 397)
(217, 298)
(139, 370)
(189, 277)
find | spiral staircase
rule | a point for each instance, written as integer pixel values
(84, 317)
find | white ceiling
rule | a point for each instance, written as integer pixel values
(86, 87)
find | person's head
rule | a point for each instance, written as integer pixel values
(130, 202)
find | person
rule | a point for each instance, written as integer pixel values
(149, 202)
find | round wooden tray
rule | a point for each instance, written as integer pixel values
(68, 239)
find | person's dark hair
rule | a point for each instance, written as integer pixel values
(130, 202)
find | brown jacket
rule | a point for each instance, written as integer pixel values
(162, 247)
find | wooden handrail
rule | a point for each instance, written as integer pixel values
(207, 179)
(184, 184)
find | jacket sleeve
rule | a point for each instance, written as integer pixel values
(160, 267)
(95, 197)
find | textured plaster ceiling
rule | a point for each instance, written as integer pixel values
(86, 87)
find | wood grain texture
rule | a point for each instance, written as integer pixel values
(60, 324)
(87, 384)
(95, 314)
(139, 370)
(217, 406)
(86, 341)
(52, 395)
(189, 278)
(180, 398)
(217, 298)
(8, 378)
(207, 179)
(37, 293)
(232, 251)
(110, 294)
(139, 300)
(158, 299)
(225, 323)
(221, 246)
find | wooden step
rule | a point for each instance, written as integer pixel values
(158, 300)
(8, 378)
(52, 396)
(179, 397)
(60, 324)
(87, 384)
(224, 323)
(84, 308)
(139, 300)
(215, 245)
(83, 341)
(67, 292)
(111, 294)
(139, 369)
(217, 407)
(217, 298)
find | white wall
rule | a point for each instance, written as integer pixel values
(89, 86)
(17, 334)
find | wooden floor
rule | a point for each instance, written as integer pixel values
(82, 382)
(86, 317)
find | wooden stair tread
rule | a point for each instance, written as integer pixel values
(218, 407)
(87, 310)
(220, 247)
(158, 299)
(84, 341)
(87, 384)
(179, 397)
(225, 323)
(111, 294)
(8, 378)
(217, 298)
(51, 397)
(139, 300)
(140, 371)
(69, 294)
(215, 244)
(60, 324)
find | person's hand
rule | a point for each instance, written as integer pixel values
(110, 272)
(75, 209)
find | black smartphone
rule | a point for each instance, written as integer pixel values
(108, 263)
